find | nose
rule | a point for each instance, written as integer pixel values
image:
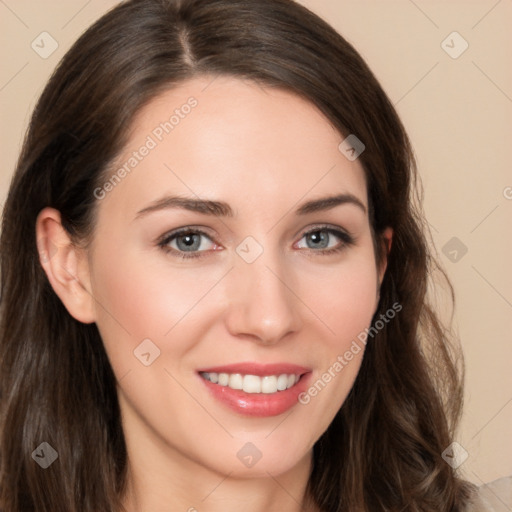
(262, 303)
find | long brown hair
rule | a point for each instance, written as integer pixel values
(382, 451)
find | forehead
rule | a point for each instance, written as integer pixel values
(230, 139)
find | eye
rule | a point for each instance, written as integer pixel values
(325, 240)
(187, 243)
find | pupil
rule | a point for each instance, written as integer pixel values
(319, 238)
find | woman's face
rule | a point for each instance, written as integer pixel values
(237, 242)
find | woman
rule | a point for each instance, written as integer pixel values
(214, 274)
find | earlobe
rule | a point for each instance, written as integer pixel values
(65, 266)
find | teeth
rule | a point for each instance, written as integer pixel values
(236, 381)
(269, 384)
(253, 383)
(282, 382)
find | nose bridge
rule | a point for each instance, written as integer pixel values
(262, 303)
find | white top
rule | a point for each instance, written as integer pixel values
(494, 497)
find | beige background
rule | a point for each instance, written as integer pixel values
(458, 112)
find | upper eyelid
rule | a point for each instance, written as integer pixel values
(327, 227)
(186, 229)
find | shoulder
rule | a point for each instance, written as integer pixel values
(493, 497)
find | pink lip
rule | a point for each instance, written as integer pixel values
(261, 370)
(258, 404)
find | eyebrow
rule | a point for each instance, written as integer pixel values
(207, 207)
(326, 203)
(222, 209)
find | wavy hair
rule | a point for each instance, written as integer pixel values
(382, 452)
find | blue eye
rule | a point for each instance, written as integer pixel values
(193, 242)
(325, 240)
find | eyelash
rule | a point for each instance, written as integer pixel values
(346, 241)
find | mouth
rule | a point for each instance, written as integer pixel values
(254, 389)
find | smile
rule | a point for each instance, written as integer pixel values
(268, 384)
(256, 389)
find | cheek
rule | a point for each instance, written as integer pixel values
(137, 300)
(345, 302)
(344, 299)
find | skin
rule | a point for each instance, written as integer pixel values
(265, 152)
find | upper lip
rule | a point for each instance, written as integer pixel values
(259, 369)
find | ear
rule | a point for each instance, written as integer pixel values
(66, 265)
(387, 240)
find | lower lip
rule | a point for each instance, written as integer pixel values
(258, 404)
